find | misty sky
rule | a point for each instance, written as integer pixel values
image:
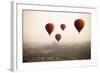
(34, 27)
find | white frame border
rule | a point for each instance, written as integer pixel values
(16, 52)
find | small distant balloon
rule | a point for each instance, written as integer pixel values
(58, 37)
(63, 26)
(49, 28)
(79, 24)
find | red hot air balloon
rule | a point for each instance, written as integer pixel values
(63, 26)
(49, 28)
(79, 24)
(58, 37)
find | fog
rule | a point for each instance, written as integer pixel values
(56, 52)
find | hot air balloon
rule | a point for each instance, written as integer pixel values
(58, 37)
(63, 26)
(49, 28)
(79, 24)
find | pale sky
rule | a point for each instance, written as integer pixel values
(34, 27)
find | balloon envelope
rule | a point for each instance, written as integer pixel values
(58, 37)
(79, 24)
(63, 26)
(49, 28)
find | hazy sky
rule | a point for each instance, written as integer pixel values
(34, 27)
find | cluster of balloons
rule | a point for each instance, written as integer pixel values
(79, 24)
(50, 27)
